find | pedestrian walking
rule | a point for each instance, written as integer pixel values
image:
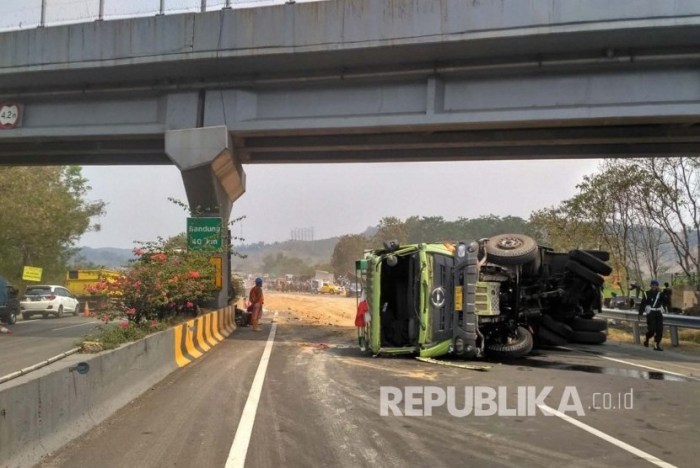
(256, 300)
(652, 305)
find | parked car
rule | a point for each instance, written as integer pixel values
(48, 299)
(329, 288)
(625, 302)
(9, 302)
(353, 290)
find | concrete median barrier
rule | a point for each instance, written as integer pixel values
(42, 411)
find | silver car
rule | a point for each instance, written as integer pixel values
(48, 299)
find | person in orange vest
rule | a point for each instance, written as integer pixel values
(256, 300)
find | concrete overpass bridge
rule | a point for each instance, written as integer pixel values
(355, 81)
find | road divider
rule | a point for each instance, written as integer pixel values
(43, 411)
(197, 336)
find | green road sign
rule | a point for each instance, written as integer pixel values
(204, 234)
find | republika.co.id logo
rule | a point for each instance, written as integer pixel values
(489, 401)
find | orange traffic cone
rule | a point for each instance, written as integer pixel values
(5, 330)
(86, 309)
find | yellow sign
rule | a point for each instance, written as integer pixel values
(32, 273)
(458, 298)
(218, 276)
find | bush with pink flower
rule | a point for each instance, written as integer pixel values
(162, 282)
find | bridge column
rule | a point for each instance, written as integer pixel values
(213, 179)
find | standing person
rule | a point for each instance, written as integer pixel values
(668, 294)
(256, 300)
(652, 304)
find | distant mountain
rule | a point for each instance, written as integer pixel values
(110, 257)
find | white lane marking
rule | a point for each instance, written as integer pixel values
(608, 438)
(630, 363)
(73, 326)
(239, 448)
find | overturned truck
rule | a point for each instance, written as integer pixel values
(494, 298)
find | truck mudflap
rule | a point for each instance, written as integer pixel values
(466, 339)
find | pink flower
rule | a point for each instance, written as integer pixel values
(138, 252)
(131, 311)
(124, 325)
(189, 305)
(194, 274)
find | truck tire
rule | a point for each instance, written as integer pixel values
(583, 272)
(548, 338)
(599, 254)
(589, 337)
(557, 327)
(589, 325)
(591, 262)
(511, 249)
(519, 347)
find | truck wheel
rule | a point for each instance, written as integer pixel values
(519, 345)
(591, 262)
(557, 327)
(511, 249)
(590, 325)
(548, 338)
(583, 272)
(589, 337)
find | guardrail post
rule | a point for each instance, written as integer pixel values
(228, 5)
(674, 335)
(635, 332)
(42, 21)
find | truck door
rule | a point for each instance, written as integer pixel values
(441, 298)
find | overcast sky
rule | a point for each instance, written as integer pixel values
(334, 199)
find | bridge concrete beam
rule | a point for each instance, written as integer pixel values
(213, 180)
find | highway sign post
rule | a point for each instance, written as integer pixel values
(204, 234)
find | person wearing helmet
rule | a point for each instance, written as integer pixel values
(256, 300)
(652, 304)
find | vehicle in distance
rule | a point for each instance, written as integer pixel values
(497, 298)
(353, 290)
(329, 288)
(625, 302)
(9, 302)
(48, 300)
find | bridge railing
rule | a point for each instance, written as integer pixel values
(26, 14)
(672, 321)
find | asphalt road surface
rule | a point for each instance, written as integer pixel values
(38, 339)
(319, 405)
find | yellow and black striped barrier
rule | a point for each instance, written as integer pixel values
(197, 336)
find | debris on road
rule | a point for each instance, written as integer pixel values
(454, 364)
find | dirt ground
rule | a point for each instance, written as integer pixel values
(312, 309)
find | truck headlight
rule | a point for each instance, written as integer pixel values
(461, 250)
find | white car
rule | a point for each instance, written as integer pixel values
(48, 299)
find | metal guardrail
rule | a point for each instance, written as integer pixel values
(672, 321)
(95, 10)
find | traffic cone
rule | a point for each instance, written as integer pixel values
(86, 309)
(5, 330)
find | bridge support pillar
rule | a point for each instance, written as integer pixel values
(213, 179)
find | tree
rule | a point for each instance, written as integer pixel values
(670, 197)
(44, 213)
(348, 249)
(390, 228)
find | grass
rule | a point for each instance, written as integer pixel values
(113, 335)
(688, 340)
